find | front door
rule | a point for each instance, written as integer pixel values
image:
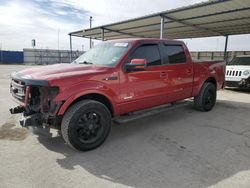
(143, 89)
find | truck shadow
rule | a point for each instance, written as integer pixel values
(179, 148)
(240, 90)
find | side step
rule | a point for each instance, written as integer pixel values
(148, 112)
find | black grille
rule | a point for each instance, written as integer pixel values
(18, 89)
(233, 73)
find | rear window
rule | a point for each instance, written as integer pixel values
(240, 61)
(176, 54)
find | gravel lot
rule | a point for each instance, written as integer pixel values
(180, 148)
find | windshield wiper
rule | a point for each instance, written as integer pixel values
(85, 62)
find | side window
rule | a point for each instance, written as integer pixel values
(175, 54)
(149, 52)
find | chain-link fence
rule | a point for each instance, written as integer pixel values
(217, 55)
(47, 56)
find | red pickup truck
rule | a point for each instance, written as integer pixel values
(113, 80)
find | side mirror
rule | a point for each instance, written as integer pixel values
(136, 65)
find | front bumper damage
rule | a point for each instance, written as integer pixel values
(35, 99)
(37, 118)
(244, 83)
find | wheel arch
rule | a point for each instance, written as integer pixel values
(93, 96)
(197, 88)
(212, 80)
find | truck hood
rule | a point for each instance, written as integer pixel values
(59, 71)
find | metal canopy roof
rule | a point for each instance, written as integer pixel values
(206, 19)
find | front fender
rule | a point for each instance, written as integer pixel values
(71, 93)
(70, 100)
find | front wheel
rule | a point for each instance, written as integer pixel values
(205, 101)
(86, 125)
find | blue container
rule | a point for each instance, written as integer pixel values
(11, 57)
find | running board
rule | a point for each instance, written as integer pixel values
(148, 112)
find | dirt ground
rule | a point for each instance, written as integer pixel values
(181, 148)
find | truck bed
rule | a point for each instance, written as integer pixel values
(205, 69)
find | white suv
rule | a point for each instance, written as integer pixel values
(238, 72)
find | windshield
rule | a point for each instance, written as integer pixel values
(240, 61)
(104, 54)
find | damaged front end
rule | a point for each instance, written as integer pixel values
(35, 99)
(245, 83)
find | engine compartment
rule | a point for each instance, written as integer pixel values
(37, 104)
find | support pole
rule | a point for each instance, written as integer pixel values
(102, 34)
(225, 50)
(90, 26)
(70, 44)
(1, 51)
(162, 27)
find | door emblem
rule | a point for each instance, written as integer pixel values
(128, 97)
(110, 78)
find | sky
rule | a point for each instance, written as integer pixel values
(50, 21)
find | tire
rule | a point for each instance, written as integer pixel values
(206, 99)
(86, 125)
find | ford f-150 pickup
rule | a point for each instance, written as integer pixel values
(110, 81)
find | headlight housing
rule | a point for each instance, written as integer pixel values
(246, 72)
(53, 92)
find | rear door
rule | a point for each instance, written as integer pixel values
(143, 89)
(179, 70)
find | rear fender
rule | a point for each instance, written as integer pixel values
(197, 87)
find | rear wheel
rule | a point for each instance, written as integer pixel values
(86, 125)
(205, 101)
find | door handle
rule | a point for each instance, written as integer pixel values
(163, 74)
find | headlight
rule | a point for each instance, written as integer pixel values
(26, 76)
(246, 72)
